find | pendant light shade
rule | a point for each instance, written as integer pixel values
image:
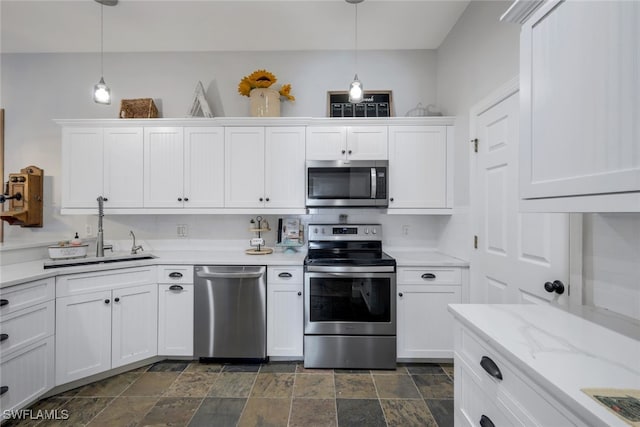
(101, 92)
(356, 93)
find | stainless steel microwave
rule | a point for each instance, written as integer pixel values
(338, 183)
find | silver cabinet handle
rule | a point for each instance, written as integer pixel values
(374, 183)
(230, 275)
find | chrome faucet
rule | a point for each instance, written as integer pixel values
(100, 246)
(135, 248)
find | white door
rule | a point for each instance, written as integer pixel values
(517, 253)
(244, 167)
(175, 320)
(82, 167)
(417, 167)
(204, 167)
(83, 335)
(135, 324)
(367, 143)
(163, 167)
(123, 167)
(284, 167)
(326, 143)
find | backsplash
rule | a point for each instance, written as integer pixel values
(611, 262)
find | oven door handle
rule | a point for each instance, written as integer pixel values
(349, 271)
(374, 182)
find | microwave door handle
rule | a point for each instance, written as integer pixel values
(374, 179)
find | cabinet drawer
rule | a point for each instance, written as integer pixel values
(28, 374)
(429, 276)
(24, 327)
(517, 395)
(284, 274)
(25, 295)
(175, 274)
(74, 284)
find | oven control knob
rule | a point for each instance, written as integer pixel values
(374, 231)
(322, 230)
(315, 230)
(366, 231)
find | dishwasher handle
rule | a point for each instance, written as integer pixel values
(228, 275)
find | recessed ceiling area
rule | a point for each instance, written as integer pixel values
(39, 26)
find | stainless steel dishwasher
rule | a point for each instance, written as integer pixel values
(230, 312)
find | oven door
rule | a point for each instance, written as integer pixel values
(349, 303)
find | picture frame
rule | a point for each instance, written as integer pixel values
(377, 103)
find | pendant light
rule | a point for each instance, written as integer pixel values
(356, 93)
(101, 92)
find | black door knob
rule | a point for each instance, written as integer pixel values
(186, 199)
(400, 294)
(261, 199)
(350, 152)
(116, 299)
(557, 286)
(391, 199)
(107, 301)
(343, 151)
(179, 199)
(4, 302)
(299, 293)
(4, 337)
(267, 199)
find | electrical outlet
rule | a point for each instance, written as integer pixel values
(182, 230)
(88, 230)
(405, 230)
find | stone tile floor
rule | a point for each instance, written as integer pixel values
(181, 393)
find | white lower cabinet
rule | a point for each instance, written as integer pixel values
(26, 343)
(285, 312)
(425, 327)
(107, 328)
(489, 390)
(175, 320)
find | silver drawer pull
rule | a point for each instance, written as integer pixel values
(428, 276)
(285, 274)
(175, 275)
(175, 288)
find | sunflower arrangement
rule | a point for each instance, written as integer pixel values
(263, 79)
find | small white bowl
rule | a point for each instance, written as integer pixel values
(65, 252)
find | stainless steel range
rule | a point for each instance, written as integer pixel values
(350, 304)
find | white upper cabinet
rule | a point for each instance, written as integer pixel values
(183, 167)
(420, 168)
(102, 162)
(347, 143)
(580, 85)
(264, 167)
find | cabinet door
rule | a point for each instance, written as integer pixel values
(204, 167)
(135, 324)
(367, 143)
(418, 167)
(284, 167)
(285, 320)
(82, 167)
(163, 167)
(579, 95)
(123, 167)
(326, 143)
(83, 335)
(244, 167)
(175, 320)
(27, 375)
(425, 328)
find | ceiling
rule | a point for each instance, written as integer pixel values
(37, 26)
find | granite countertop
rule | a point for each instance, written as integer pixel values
(561, 352)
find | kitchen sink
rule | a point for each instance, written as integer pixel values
(117, 257)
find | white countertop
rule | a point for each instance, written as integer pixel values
(206, 252)
(415, 257)
(561, 352)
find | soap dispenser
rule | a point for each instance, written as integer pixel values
(76, 240)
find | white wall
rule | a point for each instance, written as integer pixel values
(611, 269)
(478, 56)
(37, 88)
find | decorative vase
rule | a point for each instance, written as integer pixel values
(265, 102)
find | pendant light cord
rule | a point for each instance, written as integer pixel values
(356, 38)
(101, 40)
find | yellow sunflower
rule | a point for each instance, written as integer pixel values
(285, 91)
(262, 78)
(244, 88)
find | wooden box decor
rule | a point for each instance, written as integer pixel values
(141, 108)
(375, 104)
